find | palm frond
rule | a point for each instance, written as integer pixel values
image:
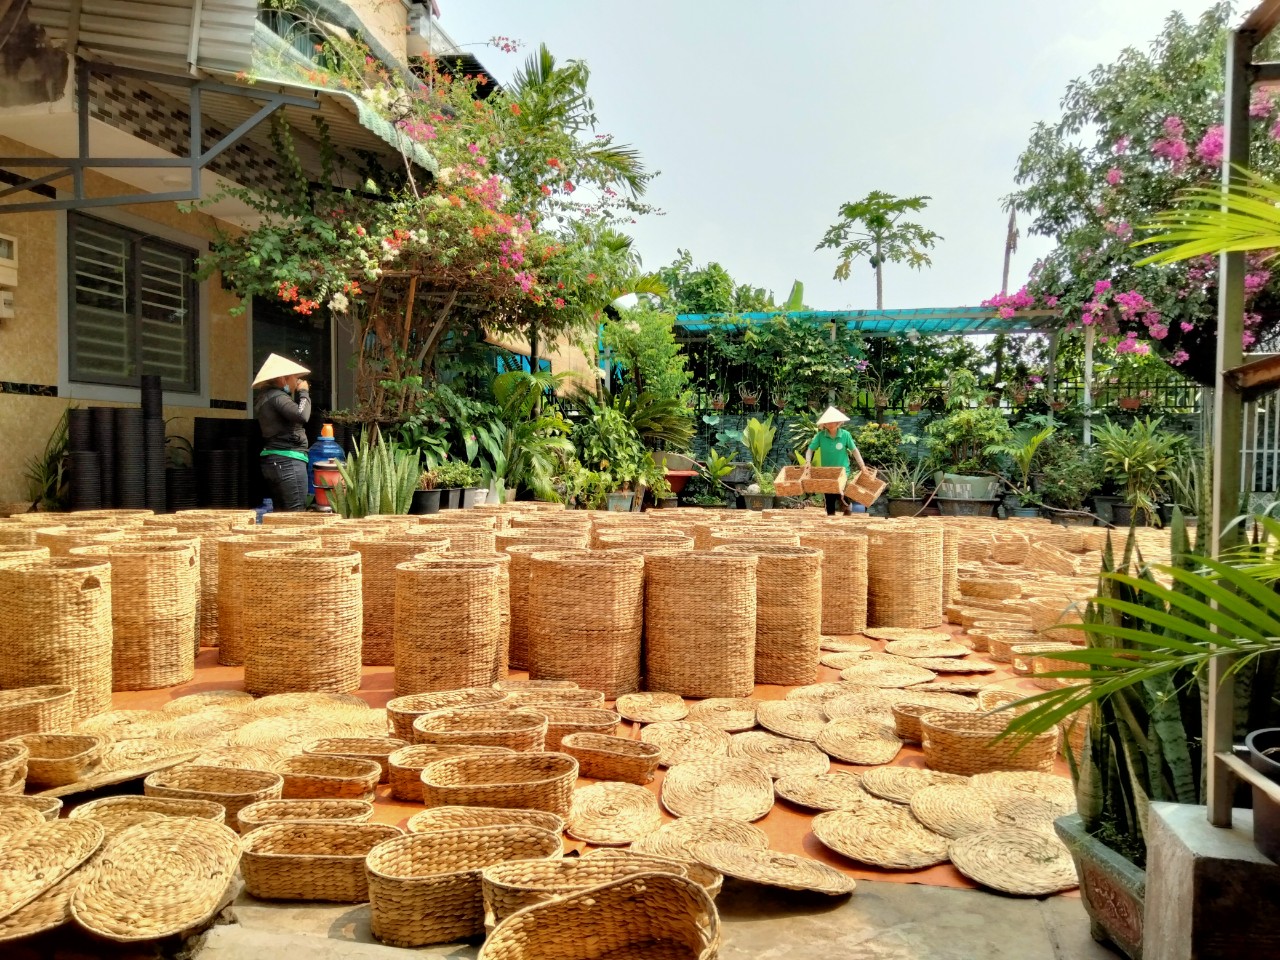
(1243, 217)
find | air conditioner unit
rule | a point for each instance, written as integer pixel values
(8, 261)
(6, 304)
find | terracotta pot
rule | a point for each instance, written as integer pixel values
(1129, 403)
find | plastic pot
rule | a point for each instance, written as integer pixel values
(1264, 756)
(425, 501)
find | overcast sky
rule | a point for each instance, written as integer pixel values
(764, 117)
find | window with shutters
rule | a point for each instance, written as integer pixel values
(133, 307)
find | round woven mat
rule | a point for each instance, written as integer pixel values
(863, 741)
(906, 633)
(954, 665)
(775, 869)
(718, 787)
(843, 646)
(953, 810)
(900, 784)
(932, 698)
(966, 688)
(837, 790)
(864, 701)
(677, 839)
(206, 724)
(820, 692)
(197, 702)
(780, 756)
(886, 675)
(1026, 863)
(291, 704)
(125, 724)
(18, 820)
(733, 714)
(925, 648)
(1058, 791)
(239, 758)
(883, 836)
(159, 878)
(796, 719)
(681, 741)
(839, 661)
(613, 814)
(31, 863)
(289, 736)
(652, 707)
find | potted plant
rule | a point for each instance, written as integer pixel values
(759, 495)
(905, 490)
(968, 484)
(718, 401)
(1140, 458)
(1021, 448)
(716, 471)
(451, 477)
(1067, 474)
(915, 401)
(426, 499)
(378, 477)
(749, 394)
(1189, 482)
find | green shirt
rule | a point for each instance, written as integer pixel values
(834, 451)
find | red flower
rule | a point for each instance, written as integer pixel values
(558, 302)
(591, 278)
(554, 163)
(546, 190)
(569, 187)
(515, 109)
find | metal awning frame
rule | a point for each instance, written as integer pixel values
(926, 322)
(195, 162)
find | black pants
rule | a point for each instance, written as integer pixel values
(287, 480)
(835, 503)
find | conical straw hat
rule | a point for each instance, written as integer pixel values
(831, 416)
(277, 366)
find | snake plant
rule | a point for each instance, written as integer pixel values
(378, 477)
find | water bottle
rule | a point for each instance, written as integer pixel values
(267, 507)
(325, 450)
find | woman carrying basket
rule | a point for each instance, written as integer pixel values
(837, 450)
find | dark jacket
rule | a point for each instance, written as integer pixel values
(283, 420)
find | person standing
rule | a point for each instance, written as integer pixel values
(837, 449)
(283, 407)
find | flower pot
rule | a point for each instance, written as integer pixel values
(741, 473)
(482, 496)
(1057, 406)
(914, 407)
(509, 495)
(425, 501)
(450, 498)
(470, 497)
(1068, 518)
(1123, 515)
(976, 488)
(620, 502)
(1264, 756)
(1104, 507)
(967, 507)
(717, 403)
(1129, 403)
(1113, 889)
(1022, 513)
(758, 501)
(666, 503)
(905, 506)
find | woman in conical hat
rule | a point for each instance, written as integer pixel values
(283, 407)
(837, 449)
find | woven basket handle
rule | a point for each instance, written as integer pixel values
(355, 568)
(90, 583)
(1021, 666)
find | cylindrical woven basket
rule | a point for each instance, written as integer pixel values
(788, 612)
(950, 564)
(276, 811)
(647, 915)
(379, 557)
(700, 623)
(13, 768)
(55, 628)
(327, 777)
(503, 564)
(231, 551)
(407, 764)
(181, 539)
(562, 721)
(844, 580)
(311, 861)
(315, 647)
(465, 538)
(904, 574)
(603, 757)
(234, 789)
(586, 618)
(448, 624)
(425, 887)
(403, 711)
(377, 749)
(964, 743)
(514, 729)
(43, 709)
(512, 886)
(300, 518)
(155, 589)
(15, 555)
(56, 759)
(524, 781)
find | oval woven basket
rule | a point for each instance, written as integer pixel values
(651, 915)
(513, 729)
(13, 768)
(47, 807)
(448, 623)
(118, 813)
(311, 861)
(963, 743)
(275, 811)
(425, 887)
(533, 781)
(327, 777)
(56, 759)
(562, 721)
(602, 757)
(509, 887)
(377, 749)
(407, 763)
(554, 697)
(1000, 642)
(709, 880)
(234, 789)
(459, 818)
(48, 708)
(404, 710)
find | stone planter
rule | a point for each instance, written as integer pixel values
(1113, 889)
(758, 501)
(905, 506)
(966, 507)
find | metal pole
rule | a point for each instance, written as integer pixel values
(1228, 416)
(1090, 335)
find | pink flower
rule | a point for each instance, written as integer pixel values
(1275, 131)
(1209, 149)
(1179, 358)
(1249, 339)
(1175, 151)
(474, 148)
(1101, 286)
(1173, 126)
(1123, 230)
(1115, 176)
(1158, 331)
(1187, 326)
(1255, 281)
(1260, 105)
(558, 303)
(1121, 144)
(1050, 302)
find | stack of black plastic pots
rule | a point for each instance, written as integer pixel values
(85, 468)
(104, 445)
(130, 455)
(226, 458)
(153, 441)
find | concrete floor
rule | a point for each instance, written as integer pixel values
(880, 921)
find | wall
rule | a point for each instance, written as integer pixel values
(387, 20)
(32, 396)
(565, 355)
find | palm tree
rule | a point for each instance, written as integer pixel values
(1210, 220)
(873, 227)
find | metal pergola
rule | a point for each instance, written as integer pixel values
(926, 322)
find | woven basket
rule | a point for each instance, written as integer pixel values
(327, 777)
(277, 811)
(377, 749)
(1049, 613)
(231, 551)
(379, 558)
(425, 887)
(43, 709)
(586, 617)
(521, 550)
(148, 538)
(13, 768)
(502, 562)
(234, 789)
(311, 861)
(1000, 643)
(650, 915)
(403, 711)
(466, 538)
(509, 887)
(602, 757)
(788, 613)
(456, 818)
(298, 518)
(513, 729)
(47, 807)
(523, 781)
(562, 721)
(407, 765)
(844, 580)
(904, 574)
(120, 813)
(316, 648)
(17, 554)
(964, 743)
(709, 880)
(55, 628)
(155, 590)
(950, 565)
(826, 480)
(866, 487)
(700, 623)
(448, 626)
(788, 482)
(56, 759)
(553, 697)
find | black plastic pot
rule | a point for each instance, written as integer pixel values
(1122, 515)
(450, 498)
(425, 501)
(905, 507)
(1264, 756)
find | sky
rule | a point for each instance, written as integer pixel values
(764, 118)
